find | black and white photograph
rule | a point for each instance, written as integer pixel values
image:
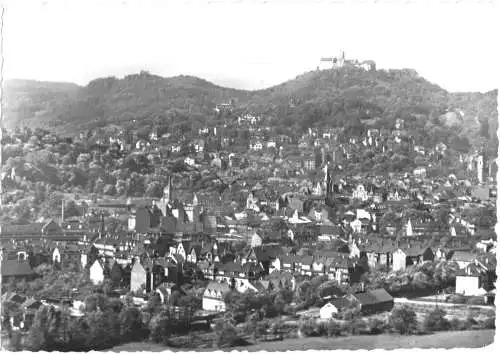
(248, 175)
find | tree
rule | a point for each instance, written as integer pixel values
(225, 335)
(109, 189)
(160, 328)
(436, 321)
(403, 320)
(131, 326)
(154, 190)
(104, 330)
(484, 130)
(48, 329)
(136, 185)
(190, 301)
(154, 303)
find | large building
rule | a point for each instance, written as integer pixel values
(329, 63)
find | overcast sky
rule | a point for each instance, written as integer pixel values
(248, 44)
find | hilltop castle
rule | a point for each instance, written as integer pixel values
(329, 63)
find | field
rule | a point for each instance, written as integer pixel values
(464, 339)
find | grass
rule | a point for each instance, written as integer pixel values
(447, 340)
(465, 339)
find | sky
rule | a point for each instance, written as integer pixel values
(249, 44)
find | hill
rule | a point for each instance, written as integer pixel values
(318, 98)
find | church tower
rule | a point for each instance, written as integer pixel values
(329, 183)
(480, 167)
(167, 198)
(192, 210)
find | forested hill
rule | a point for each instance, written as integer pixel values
(343, 97)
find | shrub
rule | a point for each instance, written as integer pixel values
(225, 335)
(470, 321)
(131, 326)
(276, 327)
(159, 329)
(320, 329)
(357, 326)
(376, 326)
(333, 328)
(458, 325)
(350, 314)
(476, 300)
(436, 321)
(456, 299)
(403, 320)
(489, 323)
(307, 328)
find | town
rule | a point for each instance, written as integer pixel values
(161, 232)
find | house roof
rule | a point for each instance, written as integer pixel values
(372, 297)
(266, 253)
(471, 270)
(31, 303)
(231, 267)
(16, 268)
(342, 303)
(13, 297)
(463, 256)
(29, 229)
(214, 286)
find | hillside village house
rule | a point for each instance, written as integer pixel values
(213, 297)
(16, 269)
(138, 277)
(468, 281)
(463, 259)
(368, 302)
(405, 257)
(96, 272)
(360, 193)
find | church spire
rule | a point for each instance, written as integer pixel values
(167, 191)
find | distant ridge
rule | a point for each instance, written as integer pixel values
(335, 96)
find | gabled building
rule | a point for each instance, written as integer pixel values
(97, 270)
(213, 297)
(17, 270)
(405, 257)
(469, 281)
(374, 301)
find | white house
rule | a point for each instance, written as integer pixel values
(468, 282)
(255, 240)
(137, 276)
(256, 146)
(56, 255)
(271, 144)
(360, 193)
(398, 260)
(356, 225)
(409, 229)
(181, 251)
(420, 172)
(189, 161)
(213, 297)
(97, 272)
(327, 311)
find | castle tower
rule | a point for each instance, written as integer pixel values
(341, 59)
